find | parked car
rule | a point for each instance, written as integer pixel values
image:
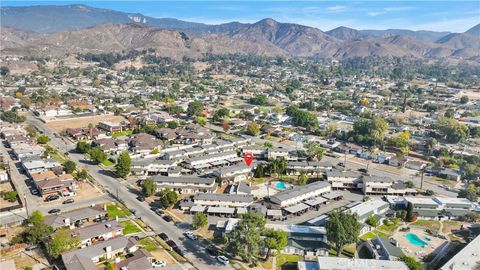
(222, 259)
(68, 201)
(167, 218)
(141, 198)
(54, 211)
(79, 223)
(34, 191)
(30, 248)
(212, 251)
(159, 212)
(190, 235)
(180, 250)
(171, 243)
(157, 264)
(53, 197)
(363, 170)
(163, 236)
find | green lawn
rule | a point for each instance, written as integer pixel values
(107, 162)
(381, 234)
(129, 227)
(286, 258)
(123, 133)
(367, 236)
(148, 243)
(117, 210)
(427, 224)
(389, 228)
(57, 157)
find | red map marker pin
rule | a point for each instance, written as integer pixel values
(248, 158)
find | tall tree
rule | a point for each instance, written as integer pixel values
(199, 220)
(97, 155)
(314, 151)
(148, 187)
(195, 108)
(168, 197)
(245, 241)
(123, 166)
(342, 229)
(274, 239)
(69, 166)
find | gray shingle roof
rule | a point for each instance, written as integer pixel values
(300, 190)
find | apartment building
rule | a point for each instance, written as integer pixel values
(300, 193)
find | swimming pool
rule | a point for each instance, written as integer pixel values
(415, 240)
(280, 185)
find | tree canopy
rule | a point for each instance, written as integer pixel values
(123, 166)
(168, 197)
(342, 229)
(195, 108)
(148, 187)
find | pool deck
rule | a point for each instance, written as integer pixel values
(415, 251)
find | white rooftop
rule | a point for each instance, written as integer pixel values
(467, 259)
(297, 228)
(335, 263)
(447, 200)
(367, 206)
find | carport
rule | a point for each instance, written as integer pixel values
(297, 209)
(274, 214)
(335, 195)
(316, 202)
(221, 211)
(197, 208)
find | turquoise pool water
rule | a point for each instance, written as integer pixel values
(415, 240)
(280, 185)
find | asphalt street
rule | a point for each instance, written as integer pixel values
(195, 254)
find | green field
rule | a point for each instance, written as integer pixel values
(367, 236)
(148, 244)
(107, 162)
(123, 133)
(114, 210)
(129, 227)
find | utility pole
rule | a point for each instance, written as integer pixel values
(421, 181)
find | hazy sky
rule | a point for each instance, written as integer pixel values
(454, 16)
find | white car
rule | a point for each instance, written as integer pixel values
(190, 235)
(157, 264)
(223, 260)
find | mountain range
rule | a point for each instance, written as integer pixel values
(60, 30)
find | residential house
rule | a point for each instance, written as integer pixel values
(110, 126)
(96, 232)
(397, 162)
(102, 250)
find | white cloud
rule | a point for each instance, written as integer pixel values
(337, 8)
(395, 9)
(373, 14)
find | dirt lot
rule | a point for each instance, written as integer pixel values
(162, 255)
(86, 191)
(23, 258)
(81, 122)
(7, 186)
